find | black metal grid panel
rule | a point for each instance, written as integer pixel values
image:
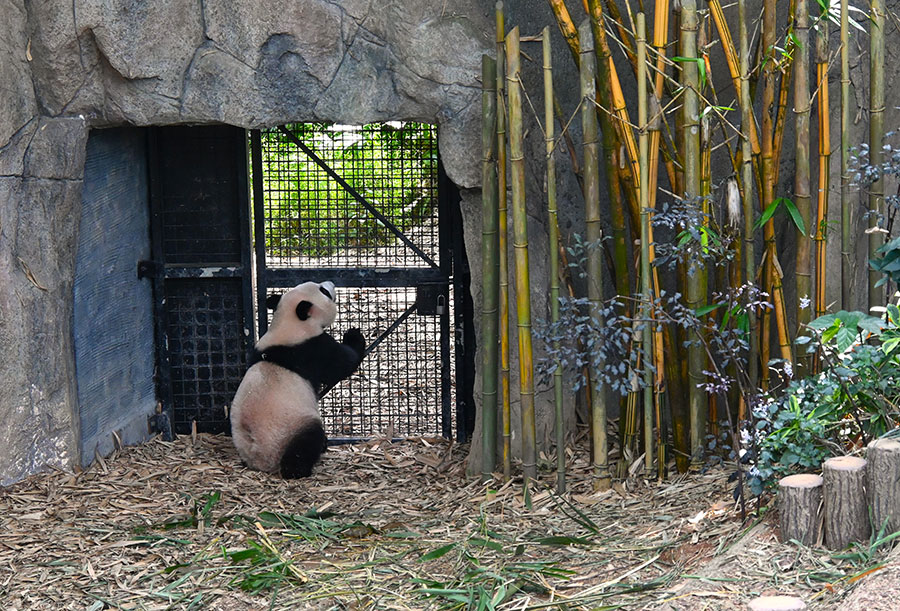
(196, 228)
(397, 390)
(313, 222)
(205, 338)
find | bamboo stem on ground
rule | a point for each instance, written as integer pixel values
(600, 459)
(502, 242)
(554, 260)
(876, 135)
(489, 252)
(520, 246)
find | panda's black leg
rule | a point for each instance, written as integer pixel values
(303, 451)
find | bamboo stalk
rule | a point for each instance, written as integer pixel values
(520, 246)
(802, 196)
(610, 155)
(503, 259)
(846, 246)
(660, 39)
(600, 458)
(554, 259)
(690, 132)
(747, 183)
(767, 195)
(489, 252)
(824, 129)
(644, 141)
(567, 27)
(734, 66)
(876, 135)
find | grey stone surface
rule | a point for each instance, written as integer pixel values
(16, 91)
(38, 218)
(88, 64)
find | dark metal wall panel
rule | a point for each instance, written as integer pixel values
(113, 314)
(201, 221)
(206, 341)
(201, 236)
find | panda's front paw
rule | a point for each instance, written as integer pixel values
(354, 338)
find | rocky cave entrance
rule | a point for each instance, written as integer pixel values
(179, 242)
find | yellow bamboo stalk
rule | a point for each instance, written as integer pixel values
(734, 64)
(824, 129)
(520, 246)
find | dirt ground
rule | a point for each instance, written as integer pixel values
(383, 525)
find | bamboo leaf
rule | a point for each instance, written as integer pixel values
(795, 214)
(768, 213)
(437, 553)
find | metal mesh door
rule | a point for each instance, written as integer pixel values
(359, 205)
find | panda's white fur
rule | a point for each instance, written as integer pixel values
(275, 422)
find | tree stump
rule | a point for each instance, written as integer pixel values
(883, 483)
(777, 603)
(800, 507)
(846, 510)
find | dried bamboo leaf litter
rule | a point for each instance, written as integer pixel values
(383, 526)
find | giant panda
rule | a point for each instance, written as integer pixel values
(275, 422)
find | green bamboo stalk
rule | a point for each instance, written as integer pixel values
(503, 259)
(520, 246)
(802, 195)
(646, 282)
(690, 132)
(594, 233)
(747, 122)
(876, 135)
(846, 245)
(489, 252)
(554, 259)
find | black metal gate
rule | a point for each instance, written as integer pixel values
(360, 206)
(201, 268)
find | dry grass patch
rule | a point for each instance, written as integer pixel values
(382, 526)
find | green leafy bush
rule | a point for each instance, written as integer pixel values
(856, 397)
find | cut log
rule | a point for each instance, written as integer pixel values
(883, 483)
(800, 507)
(777, 603)
(846, 510)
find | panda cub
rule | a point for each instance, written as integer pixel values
(275, 423)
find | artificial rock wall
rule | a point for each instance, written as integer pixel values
(69, 67)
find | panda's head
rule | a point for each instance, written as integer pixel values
(301, 313)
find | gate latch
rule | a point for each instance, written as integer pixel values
(431, 299)
(146, 269)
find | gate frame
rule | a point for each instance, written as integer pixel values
(446, 272)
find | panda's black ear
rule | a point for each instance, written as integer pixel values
(303, 309)
(272, 301)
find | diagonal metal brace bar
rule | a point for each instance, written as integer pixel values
(380, 338)
(357, 196)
